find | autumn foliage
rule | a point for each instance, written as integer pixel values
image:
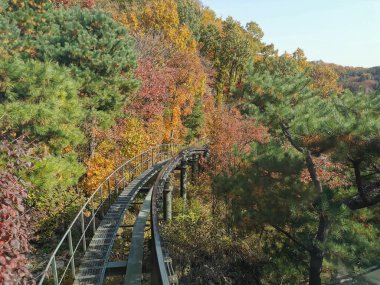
(230, 136)
(15, 231)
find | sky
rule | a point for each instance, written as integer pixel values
(345, 32)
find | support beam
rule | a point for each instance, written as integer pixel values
(183, 180)
(116, 268)
(194, 167)
(168, 200)
(145, 189)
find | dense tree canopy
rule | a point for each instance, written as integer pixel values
(290, 194)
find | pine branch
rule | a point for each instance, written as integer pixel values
(372, 192)
(358, 179)
(288, 235)
(368, 195)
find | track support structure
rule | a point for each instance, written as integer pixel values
(168, 190)
(183, 179)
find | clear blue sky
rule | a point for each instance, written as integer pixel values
(345, 32)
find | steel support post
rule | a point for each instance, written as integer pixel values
(93, 216)
(101, 201)
(167, 200)
(83, 231)
(183, 179)
(54, 271)
(72, 254)
(194, 167)
(116, 185)
(109, 193)
(124, 175)
(141, 164)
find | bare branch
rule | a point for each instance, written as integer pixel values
(287, 134)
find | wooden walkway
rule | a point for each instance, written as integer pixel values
(93, 265)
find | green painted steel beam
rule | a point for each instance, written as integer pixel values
(136, 251)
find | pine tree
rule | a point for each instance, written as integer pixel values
(40, 102)
(98, 51)
(302, 186)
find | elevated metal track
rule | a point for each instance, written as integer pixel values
(163, 273)
(86, 247)
(93, 265)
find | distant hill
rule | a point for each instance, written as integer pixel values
(356, 78)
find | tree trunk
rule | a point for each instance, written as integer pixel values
(92, 144)
(316, 253)
(316, 260)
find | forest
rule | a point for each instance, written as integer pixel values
(291, 191)
(356, 78)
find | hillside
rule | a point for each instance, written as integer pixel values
(357, 78)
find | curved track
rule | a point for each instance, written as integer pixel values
(163, 272)
(87, 245)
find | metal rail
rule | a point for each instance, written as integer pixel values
(163, 270)
(75, 241)
(136, 250)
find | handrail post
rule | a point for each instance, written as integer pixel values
(109, 193)
(71, 254)
(116, 188)
(123, 177)
(101, 201)
(54, 271)
(83, 231)
(93, 215)
(130, 174)
(141, 164)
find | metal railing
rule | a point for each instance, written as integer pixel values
(162, 271)
(74, 242)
